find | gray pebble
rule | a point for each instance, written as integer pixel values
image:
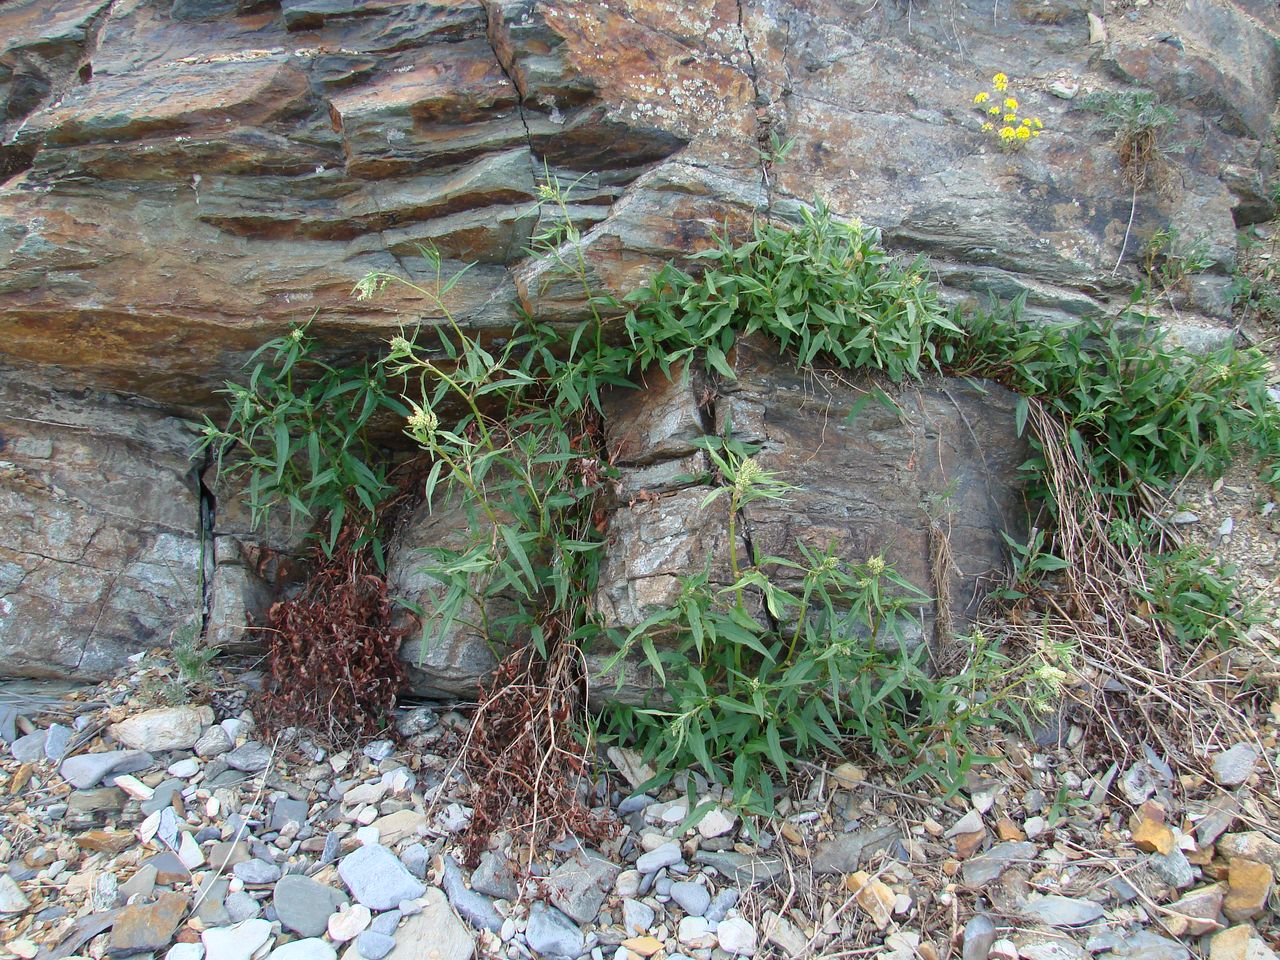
(373, 945)
(386, 923)
(693, 898)
(721, 904)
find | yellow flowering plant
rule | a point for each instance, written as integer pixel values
(1001, 119)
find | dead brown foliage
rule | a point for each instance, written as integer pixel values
(332, 656)
(529, 773)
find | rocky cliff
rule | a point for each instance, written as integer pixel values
(181, 179)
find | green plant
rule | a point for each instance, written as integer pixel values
(1013, 132)
(1135, 118)
(1198, 596)
(1171, 260)
(823, 289)
(298, 430)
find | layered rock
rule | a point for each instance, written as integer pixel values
(182, 179)
(102, 551)
(925, 476)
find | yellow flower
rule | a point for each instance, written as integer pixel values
(1010, 117)
(1039, 125)
(982, 97)
(999, 81)
(1006, 133)
(1023, 133)
(1010, 104)
(1035, 133)
(986, 127)
(1026, 121)
(993, 111)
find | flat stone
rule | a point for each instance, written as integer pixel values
(169, 869)
(847, 852)
(987, 868)
(257, 872)
(105, 841)
(287, 810)
(308, 948)
(163, 794)
(214, 742)
(477, 909)
(737, 936)
(415, 858)
(303, 905)
(88, 769)
(400, 825)
(29, 748)
(1151, 836)
(249, 757)
(1251, 845)
(165, 728)
(693, 898)
(1238, 943)
(873, 895)
(141, 884)
(664, 856)
(1248, 887)
(12, 899)
(240, 906)
(349, 922)
(373, 945)
(637, 917)
(493, 877)
(716, 823)
(579, 885)
(1233, 767)
(740, 868)
(721, 904)
(8, 723)
(238, 942)
(57, 741)
(146, 928)
(1196, 913)
(551, 933)
(435, 933)
(979, 935)
(1173, 868)
(1058, 911)
(695, 933)
(1145, 945)
(377, 878)
(185, 951)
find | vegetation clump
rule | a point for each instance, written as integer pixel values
(755, 676)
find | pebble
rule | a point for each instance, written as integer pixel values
(987, 868)
(415, 858)
(12, 899)
(846, 852)
(309, 948)
(637, 917)
(386, 923)
(303, 905)
(88, 769)
(185, 951)
(737, 936)
(214, 742)
(627, 884)
(57, 739)
(250, 757)
(741, 869)
(256, 872)
(147, 927)
(979, 935)
(664, 856)
(579, 885)
(377, 878)
(695, 933)
(475, 908)
(241, 906)
(30, 748)
(1173, 868)
(1058, 911)
(717, 823)
(349, 922)
(493, 877)
(693, 898)
(164, 728)
(721, 904)
(373, 945)
(550, 932)
(1233, 767)
(184, 769)
(239, 942)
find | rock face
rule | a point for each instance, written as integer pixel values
(101, 553)
(181, 180)
(932, 462)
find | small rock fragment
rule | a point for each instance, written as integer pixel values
(1233, 767)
